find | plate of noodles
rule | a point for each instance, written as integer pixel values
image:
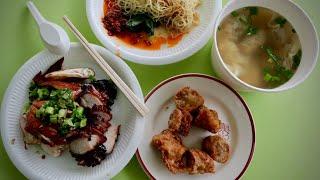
(153, 32)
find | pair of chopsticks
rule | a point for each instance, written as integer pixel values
(140, 106)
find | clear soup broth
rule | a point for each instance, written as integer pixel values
(259, 46)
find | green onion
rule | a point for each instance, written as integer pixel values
(253, 10)
(297, 59)
(49, 110)
(281, 21)
(269, 78)
(62, 113)
(271, 55)
(68, 122)
(43, 93)
(83, 122)
(92, 78)
(251, 30)
(39, 112)
(79, 112)
(54, 118)
(234, 13)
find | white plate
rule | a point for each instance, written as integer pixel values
(191, 42)
(237, 129)
(29, 162)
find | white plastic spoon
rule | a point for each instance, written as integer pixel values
(54, 37)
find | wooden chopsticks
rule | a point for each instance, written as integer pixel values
(139, 105)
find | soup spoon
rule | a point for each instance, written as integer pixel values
(54, 38)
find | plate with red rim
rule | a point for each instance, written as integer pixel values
(237, 126)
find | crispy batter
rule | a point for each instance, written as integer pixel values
(188, 99)
(180, 122)
(217, 148)
(207, 119)
(171, 148)
(198, 162)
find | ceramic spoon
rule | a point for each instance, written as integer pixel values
(54, 37)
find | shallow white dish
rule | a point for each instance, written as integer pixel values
(237, 129)
(191, 42)
(28, 161)
(302, 24)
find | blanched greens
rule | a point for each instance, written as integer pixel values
(141, 22)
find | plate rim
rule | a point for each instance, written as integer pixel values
(200, 75)
(4, 135)
(148, 60)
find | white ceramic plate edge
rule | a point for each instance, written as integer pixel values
(131, 149)
(140, 59)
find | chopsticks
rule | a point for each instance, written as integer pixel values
(139, 105)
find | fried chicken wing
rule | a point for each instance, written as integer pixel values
(217, 148)
(180, 122)
(198, 162)
(188, 99)
(207, 119)
(171, 148)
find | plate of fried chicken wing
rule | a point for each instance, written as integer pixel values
(198, 128)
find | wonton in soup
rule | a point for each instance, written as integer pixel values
(259, 46)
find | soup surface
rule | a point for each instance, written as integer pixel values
(259, 46)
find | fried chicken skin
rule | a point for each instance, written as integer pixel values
(188, 99)
(180, 122)
(171, 148)
(207, 119)
(198, 162)
(217, 148)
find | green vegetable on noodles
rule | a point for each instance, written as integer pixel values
(140, 22)
(281, 21)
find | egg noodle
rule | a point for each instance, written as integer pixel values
(178, 15)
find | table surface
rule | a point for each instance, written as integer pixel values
(287, 123)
